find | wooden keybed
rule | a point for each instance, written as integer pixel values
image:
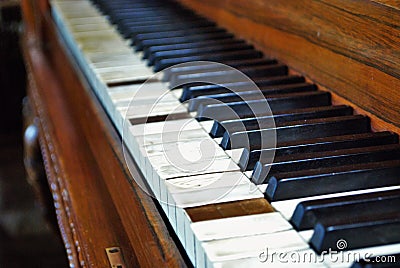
(60, 97)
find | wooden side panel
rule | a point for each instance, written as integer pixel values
(349, 47)
(98, 204)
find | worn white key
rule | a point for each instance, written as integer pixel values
(159, 109)
(164, 127)
(84, 21)
(235, 154)
(90, 27)
(124, 73)
(207, 125)
(216, 195)
(139, 91)
(206, 182)
(177, 92)
(109, 56)
(131, 61)
(91, 46)
(162, 160)
(306, 234)
(252, 246)
(240, 226)
(218, 140)
(180, 136)
(298, 259)
(151, 101)
(198, 168)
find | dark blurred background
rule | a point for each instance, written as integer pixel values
(26, 238)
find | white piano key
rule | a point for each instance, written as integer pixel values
(166, 99)
(240, 226)
(191, 151)
(216, 195)
(261, 187)
(252, 246)
(165, 127)
(202, 182)
(76, 12)
(109, 61)
(235, 154)
(190, 240)
(207, 125)
(198, 168)
(201, 258)
(172, 211)
(146, 111)
(136, 63)
(86, 20)
(90, 27)
(110, 47)
(206, 182)
(218, 140)
(180, 136)
(103, 37)
(139, 91)
(273, 261)
(123, 74)
(110, 56)
(181, 217)
(177, 92)
(306, 234)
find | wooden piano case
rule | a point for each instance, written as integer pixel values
(97, 203)
(348, 47)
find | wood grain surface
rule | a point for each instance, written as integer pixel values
(349, 47)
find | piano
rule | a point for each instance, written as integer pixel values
(218, 134)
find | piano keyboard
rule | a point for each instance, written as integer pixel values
(204, 137)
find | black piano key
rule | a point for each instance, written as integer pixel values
(298, 184)
(249, 158)
(277, 83)
(160, 18)
(296, 162)
(133, 31)
(196, 51)
(125, 27)
(155, 49)
(176, 33)
(225, 75)
(383, 230)
(145, 44)
(251, 94)
(237, 125)
(243, 54)
(352, 207)
(298, 130)
(255, 108)
(121, 18)
(130, 14)
(208, 66)
(382, 261)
